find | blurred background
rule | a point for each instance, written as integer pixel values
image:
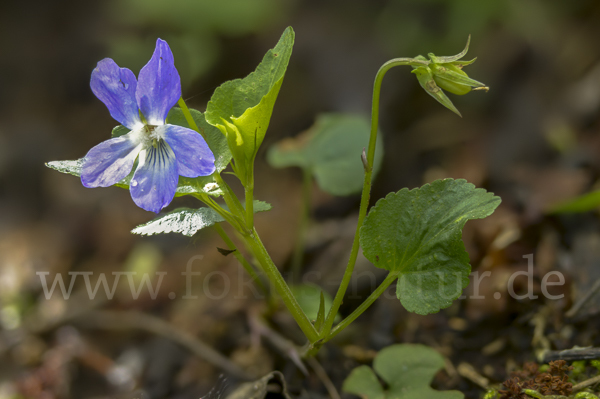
(532, 139)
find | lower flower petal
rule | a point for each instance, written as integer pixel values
(155, 180)
(194, 157)
(111, 161)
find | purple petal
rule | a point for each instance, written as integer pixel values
(116, 88)
(155, 180)
(111, 161)
(159, 86)
(194, 157)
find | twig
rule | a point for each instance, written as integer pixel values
(126, 320)
(451, 370)
(322, 375)
(587, 383)
(285, 346)
(467, 371)
(41, 322)
(571, 354)
(78, 305)
(540, 342)
(577, 307)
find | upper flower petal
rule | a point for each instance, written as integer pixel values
(116, 88)
(155, 180)
(159, 86)
(194, 157)
(110, 161)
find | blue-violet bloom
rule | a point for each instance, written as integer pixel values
(164, 152)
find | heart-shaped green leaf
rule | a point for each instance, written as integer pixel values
(408, 371)
(418, 234)
(242, 108)
(331, 149)
(363, 382)
(187, 221)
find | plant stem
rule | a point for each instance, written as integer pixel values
(259, 251)
(232, 202)
(188, 117)
(366, 192)
(243, 261)
(249, 193)
(253, 242)
(303, 225)
(391, 277)
(228, 216)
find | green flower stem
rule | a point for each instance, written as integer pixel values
(391, 277)
(228, 216)
(232, 202)
(257, 248)
(235, 223)
(366, 192)
(188, 117)
(249, 193)
(243, 261)
(303, 225)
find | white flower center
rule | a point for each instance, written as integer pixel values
(158, 132)
(149, 135)
(141, 136)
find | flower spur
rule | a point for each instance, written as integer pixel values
(164, 152)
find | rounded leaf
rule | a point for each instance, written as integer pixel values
(331, 149)
(418, 234)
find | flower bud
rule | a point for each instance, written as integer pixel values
(445, 73)
(427, 81)
(440, 75)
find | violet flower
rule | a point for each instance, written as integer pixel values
(164, 152)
